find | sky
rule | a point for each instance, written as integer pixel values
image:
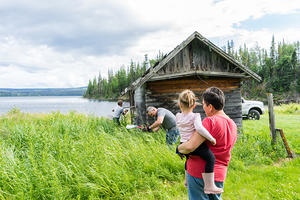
(66, 43)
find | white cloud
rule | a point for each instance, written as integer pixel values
(66, 43)
(264, 37)
(211, 20)
(24, 65)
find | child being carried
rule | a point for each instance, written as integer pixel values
(188, 122)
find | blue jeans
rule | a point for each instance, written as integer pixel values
(116, 120)
(195, 188)
(172, 136)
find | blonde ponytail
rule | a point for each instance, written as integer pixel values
(187, 98)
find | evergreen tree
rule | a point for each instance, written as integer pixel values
(94, 87)
(89, 90)
(99, 84)
(132, 72)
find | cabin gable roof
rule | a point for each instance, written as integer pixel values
(159, 71)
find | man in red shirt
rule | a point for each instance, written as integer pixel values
(224, 130)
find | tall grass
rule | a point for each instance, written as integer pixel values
(73, 156)
(57, 156)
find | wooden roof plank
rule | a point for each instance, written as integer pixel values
(202, 73)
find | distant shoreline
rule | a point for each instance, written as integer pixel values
(13, 92)
(106, 99)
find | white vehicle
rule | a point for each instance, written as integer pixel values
(252, 109)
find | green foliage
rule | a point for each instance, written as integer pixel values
(280, 70)
(257, 149)
(89, 90)
(291, 108)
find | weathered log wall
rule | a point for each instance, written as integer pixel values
(165, 94)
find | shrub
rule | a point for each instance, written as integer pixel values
(291, 108)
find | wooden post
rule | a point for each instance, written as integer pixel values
(272, 118)
(131, 101)
(290, 154)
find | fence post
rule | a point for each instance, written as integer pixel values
(288, 150)
(272, 118)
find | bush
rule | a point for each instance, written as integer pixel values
(257, 149)
(291, 108)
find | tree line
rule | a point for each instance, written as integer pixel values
(111, 87)
(278, 66)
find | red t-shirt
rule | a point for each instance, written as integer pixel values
(224, 130)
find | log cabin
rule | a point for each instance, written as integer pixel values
(195, 64)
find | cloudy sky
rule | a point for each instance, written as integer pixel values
(67, 42)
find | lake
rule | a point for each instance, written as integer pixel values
(64, 104)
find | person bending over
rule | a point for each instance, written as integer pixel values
(167, 120)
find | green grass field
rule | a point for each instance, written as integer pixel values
(56, 156)
(256, 171)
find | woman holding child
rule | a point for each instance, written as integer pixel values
(224, 131)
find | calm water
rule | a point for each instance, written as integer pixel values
(64, 104)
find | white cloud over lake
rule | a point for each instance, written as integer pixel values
(65, 43)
